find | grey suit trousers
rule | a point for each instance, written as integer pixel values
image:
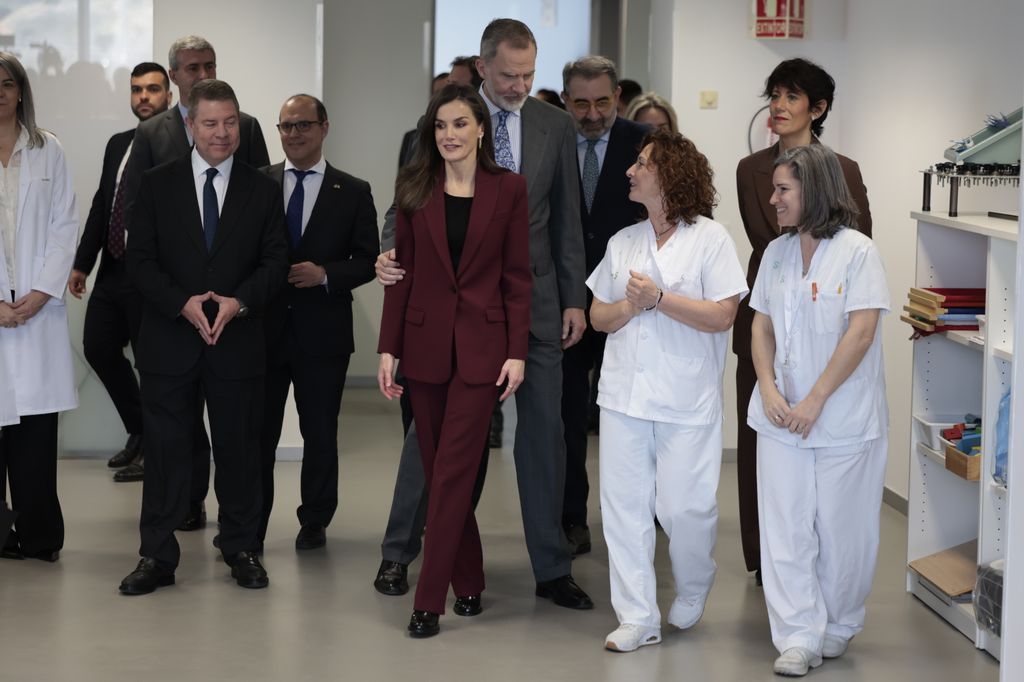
(540, 469)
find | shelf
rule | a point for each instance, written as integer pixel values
(997, 488)
(934, 455)
(1003, 353)
(978, 223)
(958, 614)
(967, 338)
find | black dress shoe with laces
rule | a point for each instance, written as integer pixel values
(146, 577)
(311, 536)
(423, 624)
(579, 539)
(127, 454)
(467, 606)
(565, 592)
(247, 570)
(392, 578)
(196, 518)
(136, 471)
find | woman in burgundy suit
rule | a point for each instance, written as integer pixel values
(459, 321)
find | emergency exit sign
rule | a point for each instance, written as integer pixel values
(779, 18)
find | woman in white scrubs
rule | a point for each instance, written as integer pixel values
(666, 293)
(819, 410)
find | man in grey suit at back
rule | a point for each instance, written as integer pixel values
(538, 141)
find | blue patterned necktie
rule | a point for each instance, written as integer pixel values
(502, 144)
(211, 210)
(293, 216)
(590, 173)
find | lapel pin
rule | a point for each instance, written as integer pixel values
(337, 186)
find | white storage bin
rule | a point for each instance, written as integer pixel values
(927, 429)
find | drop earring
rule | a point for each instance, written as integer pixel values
(480, 142)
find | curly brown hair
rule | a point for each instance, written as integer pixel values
(684, 175)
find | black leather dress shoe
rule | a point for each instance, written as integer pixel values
(135, 471)
(127, 454)
(467, 606)
(11, 551)
(146, 577)
(579, 539)
(423, 624)
(247, 571)
(565, 592)
(196, 518)
(392, 578)
(311, 536)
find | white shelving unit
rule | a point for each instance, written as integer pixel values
(954, 374)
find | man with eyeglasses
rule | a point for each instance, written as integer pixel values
(333, 243)
(606, 146)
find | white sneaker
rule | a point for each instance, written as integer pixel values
(834, 646)
(630, 637)
(796, 662)
(684, 615)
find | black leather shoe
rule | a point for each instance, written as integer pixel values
(247, 571)
(196, 518)
(423, 624)
(579, 539)
(565, 592)
(146, 577)
(127, 454)
(48, 555)
(392, 578)
(467, 606)
(133, 472)
(11, 551)
(311, 536)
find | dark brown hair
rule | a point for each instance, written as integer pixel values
(417, 179)
(684, 175)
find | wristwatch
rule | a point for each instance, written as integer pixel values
(243, 309)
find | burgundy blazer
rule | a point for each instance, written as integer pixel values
(483, 310)
(754, 187)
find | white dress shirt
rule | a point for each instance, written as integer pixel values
(514, 124)
(310, 184)
(220, 181)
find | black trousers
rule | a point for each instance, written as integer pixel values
(746, 465)
(318, 383)
(577, 363)
(28, 452)
(170, 405)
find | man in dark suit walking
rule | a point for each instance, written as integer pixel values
(207, 252)
(332, 228)
(114, 310)
(538, 141)
(165, 138)
(606, 145)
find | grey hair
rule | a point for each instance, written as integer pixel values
(827, 203)
(589, 68)
(195, 43)
(26, 106)
(652, 99)
(511, 31)
(211, 90)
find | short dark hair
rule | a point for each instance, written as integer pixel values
(801, 75)
(321, 110)
(827, 205)
(211, 90)
(142, 68)
(630, 89)
(469, 61)
(589, 68)
(511, 31)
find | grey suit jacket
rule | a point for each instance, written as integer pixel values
(557, 259)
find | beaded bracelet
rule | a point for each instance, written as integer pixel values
(660, 294)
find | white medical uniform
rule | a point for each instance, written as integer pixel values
(661, 418)
(819, 498)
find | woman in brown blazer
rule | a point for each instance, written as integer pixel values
(800, 95)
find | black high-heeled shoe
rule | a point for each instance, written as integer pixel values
(467, 606)
(423, 624)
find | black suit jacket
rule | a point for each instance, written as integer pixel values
(162, 139)
(341, 236)
(168, 262)
(612, 210)
(94, 236)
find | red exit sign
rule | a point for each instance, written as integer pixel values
(778, 18)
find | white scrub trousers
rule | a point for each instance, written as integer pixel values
(650, 468)
(819, 514)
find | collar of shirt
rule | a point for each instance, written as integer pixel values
(318, 167)
(600, 149)
(220, 181)
(310, 185)
(513, 124)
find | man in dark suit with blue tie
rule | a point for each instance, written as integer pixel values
(208, 252)
(606, 146)
(333, 243)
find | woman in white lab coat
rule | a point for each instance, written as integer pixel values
(819, 410)
(38, 230)
(666, 293)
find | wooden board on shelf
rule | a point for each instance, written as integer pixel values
(954, 570)
(919, 324)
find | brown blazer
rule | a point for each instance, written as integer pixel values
(754, 187)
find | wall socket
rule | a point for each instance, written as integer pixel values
(709, 99)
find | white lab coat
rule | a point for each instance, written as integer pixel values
(37, 375)
(661, 419)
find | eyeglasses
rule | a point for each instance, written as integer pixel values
(603, 106)
(301, 126)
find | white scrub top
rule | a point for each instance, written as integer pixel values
(809, 315)
(655, 367)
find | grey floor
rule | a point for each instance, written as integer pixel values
(321, 619)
